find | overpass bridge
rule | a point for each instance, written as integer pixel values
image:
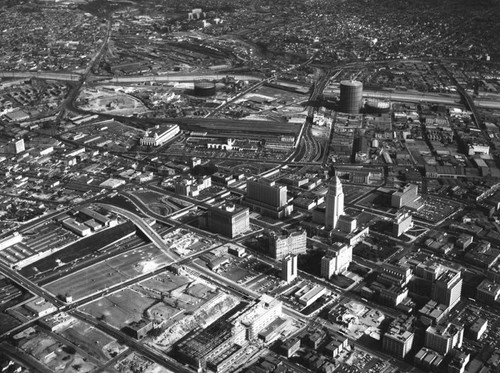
(150, 233)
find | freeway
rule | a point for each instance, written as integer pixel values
(418, 97)
(75, 90)
(175, 77)
(29, 285)
(402, 96)
(139, 223)
(64, 76)
(237, 96)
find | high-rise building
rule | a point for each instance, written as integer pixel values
(289, 268)
(351, 96)
(347, 224)
(268, 198)
(334, 200)
(281, 245)
(405, 196)
(442, 338)
(398, 339)
(228, 220)
(336, 260)
(401, 224)
(447, 288)
(429, 270)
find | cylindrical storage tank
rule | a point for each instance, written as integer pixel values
(351, 96)
(204, 88)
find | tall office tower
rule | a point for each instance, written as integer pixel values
(398, 340)
(228, 220)
(268, 198)
(351, 96)
(267, 192)
(447, 288)
(405, 196)
(336, 260)
(442, 338)
(401, 224)
(334, 204)
(289, 268)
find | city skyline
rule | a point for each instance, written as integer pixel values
(249, 186)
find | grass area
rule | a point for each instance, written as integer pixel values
(309, 262)
(110, 272)
(148, 197)
(7, 322)
(90, 339)
(341, 281)
(375, 253)
(81, 248)
(121, 308)
(120, 201)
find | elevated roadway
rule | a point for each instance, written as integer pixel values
(173, 78)
(418, 97)
(150, 233)
(29, 285)
(64, 76)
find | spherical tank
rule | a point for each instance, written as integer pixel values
(351, 96)
(204, 88)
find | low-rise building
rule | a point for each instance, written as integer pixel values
(139, 329)
(76, 227)
(478, 328)
(338, 343)
(290, 347)
(40, 307)
(488, 292)
(157, 137)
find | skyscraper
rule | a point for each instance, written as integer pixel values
(289, 268)
(442, 338)
(267, 198)
(228, 220)
(334, 204)
(336, 260)
(447, 289)
(267, 192)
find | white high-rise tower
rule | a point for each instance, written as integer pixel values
(334, 204)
